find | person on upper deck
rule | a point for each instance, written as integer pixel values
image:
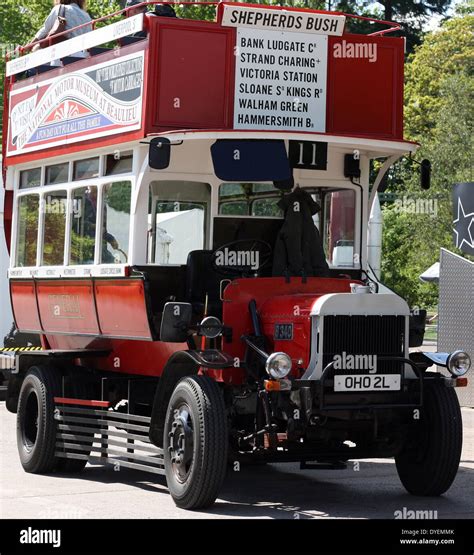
(135, 7)
(74, 13)
(163, 10)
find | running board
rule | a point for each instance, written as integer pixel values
(86, 430)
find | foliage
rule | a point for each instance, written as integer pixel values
(448, 52)
(438, 112)
(413, 16)
(118, 195)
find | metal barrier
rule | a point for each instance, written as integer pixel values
(456, 313)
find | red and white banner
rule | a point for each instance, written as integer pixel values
(98, 100)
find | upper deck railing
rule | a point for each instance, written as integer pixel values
(23, 58)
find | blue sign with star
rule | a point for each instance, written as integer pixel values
(463, 214)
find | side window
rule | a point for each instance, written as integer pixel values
(83, 225)
(27, 237)
(267, 207)
(178, 220)
(55, 210)
(121, 162)
(249, 199)
(233, 208)
(339, 212)
(116, 222)
(86, 169)
(58, 173)
(30, 178)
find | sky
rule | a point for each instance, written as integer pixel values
(434, 21)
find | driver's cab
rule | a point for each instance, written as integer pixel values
(202, 232)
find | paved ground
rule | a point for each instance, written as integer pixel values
(273, 491)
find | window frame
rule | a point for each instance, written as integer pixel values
(67, 259)
(232, 199)
(208, 227)
(15, 243)
(36, 167)
(100, 221)
(45, 170)
(58, 188)
(42, 192)
(310, 186)
(325, 192)
(78, 161)
(43, 189)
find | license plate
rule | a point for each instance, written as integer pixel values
(365, 382)
(283, 332)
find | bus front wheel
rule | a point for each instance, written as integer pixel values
(195, 442)
(428, 464)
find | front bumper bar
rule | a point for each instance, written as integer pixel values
(320, 388)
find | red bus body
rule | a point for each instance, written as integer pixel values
(194, 62)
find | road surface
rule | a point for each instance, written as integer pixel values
(276, 491)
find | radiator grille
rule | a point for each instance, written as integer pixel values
(364, 335)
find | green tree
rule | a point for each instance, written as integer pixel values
(447, 52)
(407, 8)
(438, 112)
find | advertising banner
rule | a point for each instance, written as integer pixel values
(102, 99)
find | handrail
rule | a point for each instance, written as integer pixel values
(94, 22)
(393, 26)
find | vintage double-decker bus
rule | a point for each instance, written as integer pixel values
(187, 214)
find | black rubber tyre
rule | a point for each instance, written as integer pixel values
(195, 442)
(36, 427)
(429, 462)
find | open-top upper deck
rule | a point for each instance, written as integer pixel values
(257, 68)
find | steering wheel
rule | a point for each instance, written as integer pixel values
(244, 257)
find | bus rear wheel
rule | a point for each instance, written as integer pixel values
(428, 464)
(195, 442)
(36, 428)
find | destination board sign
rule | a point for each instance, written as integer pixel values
(283, 20)
(280, 81)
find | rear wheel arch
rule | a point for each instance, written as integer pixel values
(25, 361)
(61, 364)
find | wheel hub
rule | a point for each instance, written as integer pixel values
(31, 421)
(181, 443)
